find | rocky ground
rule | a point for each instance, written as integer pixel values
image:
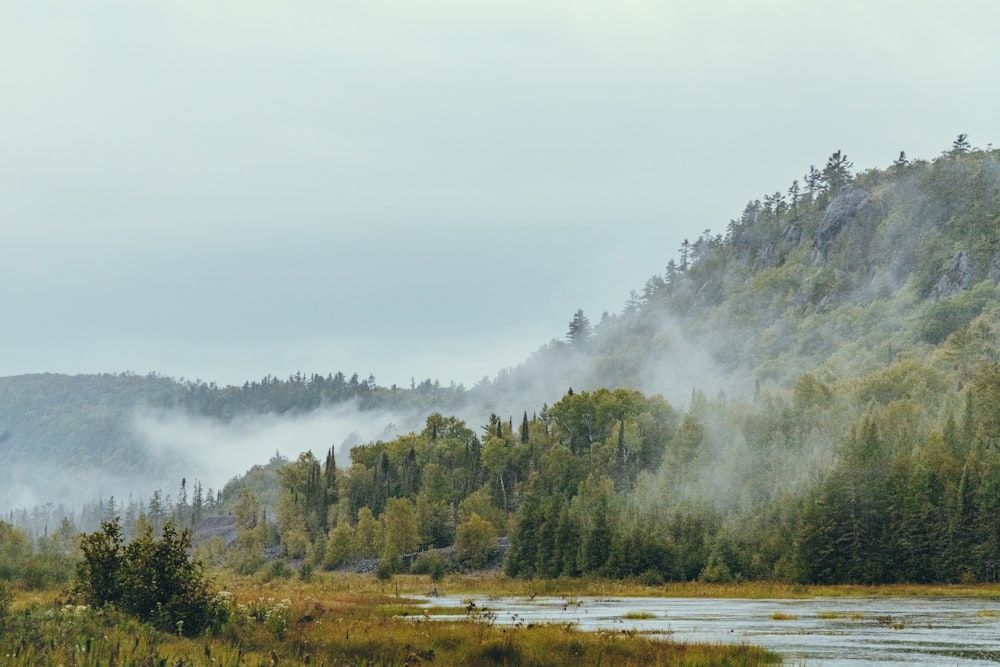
(225, 527)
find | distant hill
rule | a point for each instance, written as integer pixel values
(81, 429)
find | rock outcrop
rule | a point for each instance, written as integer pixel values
(846, 207)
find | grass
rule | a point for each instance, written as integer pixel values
(334, 621)
(339, 620)
(499, 585)
(638, 616)
(781, 616)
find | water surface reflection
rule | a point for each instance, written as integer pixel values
(832, 632)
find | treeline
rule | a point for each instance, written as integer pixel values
(449, 485)
(841, 482)
(79, 423)
(301, 393)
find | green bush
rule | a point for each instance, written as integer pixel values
(154, 580)
(432, 563)
(278, 569)
(6, 597)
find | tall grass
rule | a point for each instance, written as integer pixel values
(290, 622)
(336, 620)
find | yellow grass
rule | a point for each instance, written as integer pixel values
(501, 585)
(335, 620)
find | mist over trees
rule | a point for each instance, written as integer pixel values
(809, 396)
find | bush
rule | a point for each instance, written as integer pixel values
(6, 598)
(432, 563)
(650, 578)
(278, 569)
(154, 580)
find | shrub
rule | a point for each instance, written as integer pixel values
(278, 569)
(650, 578)
(432, 563)
(154, 580)
(6, 597)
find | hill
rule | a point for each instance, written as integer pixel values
(837, 276)
(111, 434)
(810, 396)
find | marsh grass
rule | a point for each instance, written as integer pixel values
(332, 621)
(781, 616)
(336, 619)
(638, 616)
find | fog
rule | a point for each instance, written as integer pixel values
(230, 190)
(214, 451)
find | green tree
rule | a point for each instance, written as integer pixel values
(961, 145)
(580, 329)
(475, 541)
(153, 579)
(837, 171)
(400, 530)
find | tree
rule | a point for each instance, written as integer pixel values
(475, 541)
(794, 196)
(400, 528)
(961, 145)
(154, 580)
(253, 533)
(814, 181)
(579, 329)
(837, 171)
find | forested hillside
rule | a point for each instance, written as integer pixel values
(809, 396)
(847, 329)
(83, 428)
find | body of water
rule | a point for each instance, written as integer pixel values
(827, 631)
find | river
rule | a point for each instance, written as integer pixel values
(826, 631)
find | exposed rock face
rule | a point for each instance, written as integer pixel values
(958, 277)
(222, 526)
(845, 208)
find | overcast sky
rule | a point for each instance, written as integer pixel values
(223, 190)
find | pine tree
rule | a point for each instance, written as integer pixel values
(580, 329)
(837, 171)
(330, 487)
(961, 145)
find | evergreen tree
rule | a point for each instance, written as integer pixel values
(961, 145)
(837, 171)
(580, 329)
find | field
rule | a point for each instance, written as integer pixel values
(334, 620)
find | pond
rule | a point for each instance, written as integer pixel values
(827, 631)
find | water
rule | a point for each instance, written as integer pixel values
(828, 632)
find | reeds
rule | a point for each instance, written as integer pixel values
(321, 623)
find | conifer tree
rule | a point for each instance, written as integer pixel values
(837, 171)
(961, 145)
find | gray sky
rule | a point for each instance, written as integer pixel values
(222, 190)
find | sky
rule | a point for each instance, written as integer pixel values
(225, 190)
